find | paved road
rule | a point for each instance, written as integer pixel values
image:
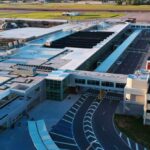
(78, 124)
(104, 128)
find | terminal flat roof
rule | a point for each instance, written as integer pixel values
(4, 93)
(30, 32)
(11, 108)
(3, 79)
(57, 75)
(105, 66)
(77, 56)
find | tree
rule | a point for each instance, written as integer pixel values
(119, 2)
(128, 2)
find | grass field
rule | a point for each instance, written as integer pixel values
(58, 15)
(133, 127)
(69, 6)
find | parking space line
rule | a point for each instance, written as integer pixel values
(83, 97)
(77, 105)
(62, 135)
(67, 121)
(74, 108)
(71, 112)
(68, 116)
(65, 143)
(80, 102)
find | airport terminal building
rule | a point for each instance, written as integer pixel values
(106, 56)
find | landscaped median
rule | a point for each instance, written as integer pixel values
(133, 128)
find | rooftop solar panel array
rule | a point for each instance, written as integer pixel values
(81, 40)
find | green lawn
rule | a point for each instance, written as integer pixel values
(133, 127)
(58, 15)
(69, 6)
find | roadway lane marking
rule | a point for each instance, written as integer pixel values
(120, 134)
(137, 147)
(128, 140)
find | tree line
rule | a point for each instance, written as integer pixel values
(132, 2)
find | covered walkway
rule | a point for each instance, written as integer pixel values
(40, 136)
(111, 59)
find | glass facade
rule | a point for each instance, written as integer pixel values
(120, 85)
(80, 81)
(53, 89)
(93, 82)
(107, 84)
(56, 90)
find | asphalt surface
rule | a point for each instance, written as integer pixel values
(129, 64)
(78, 124)
(104, 128)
